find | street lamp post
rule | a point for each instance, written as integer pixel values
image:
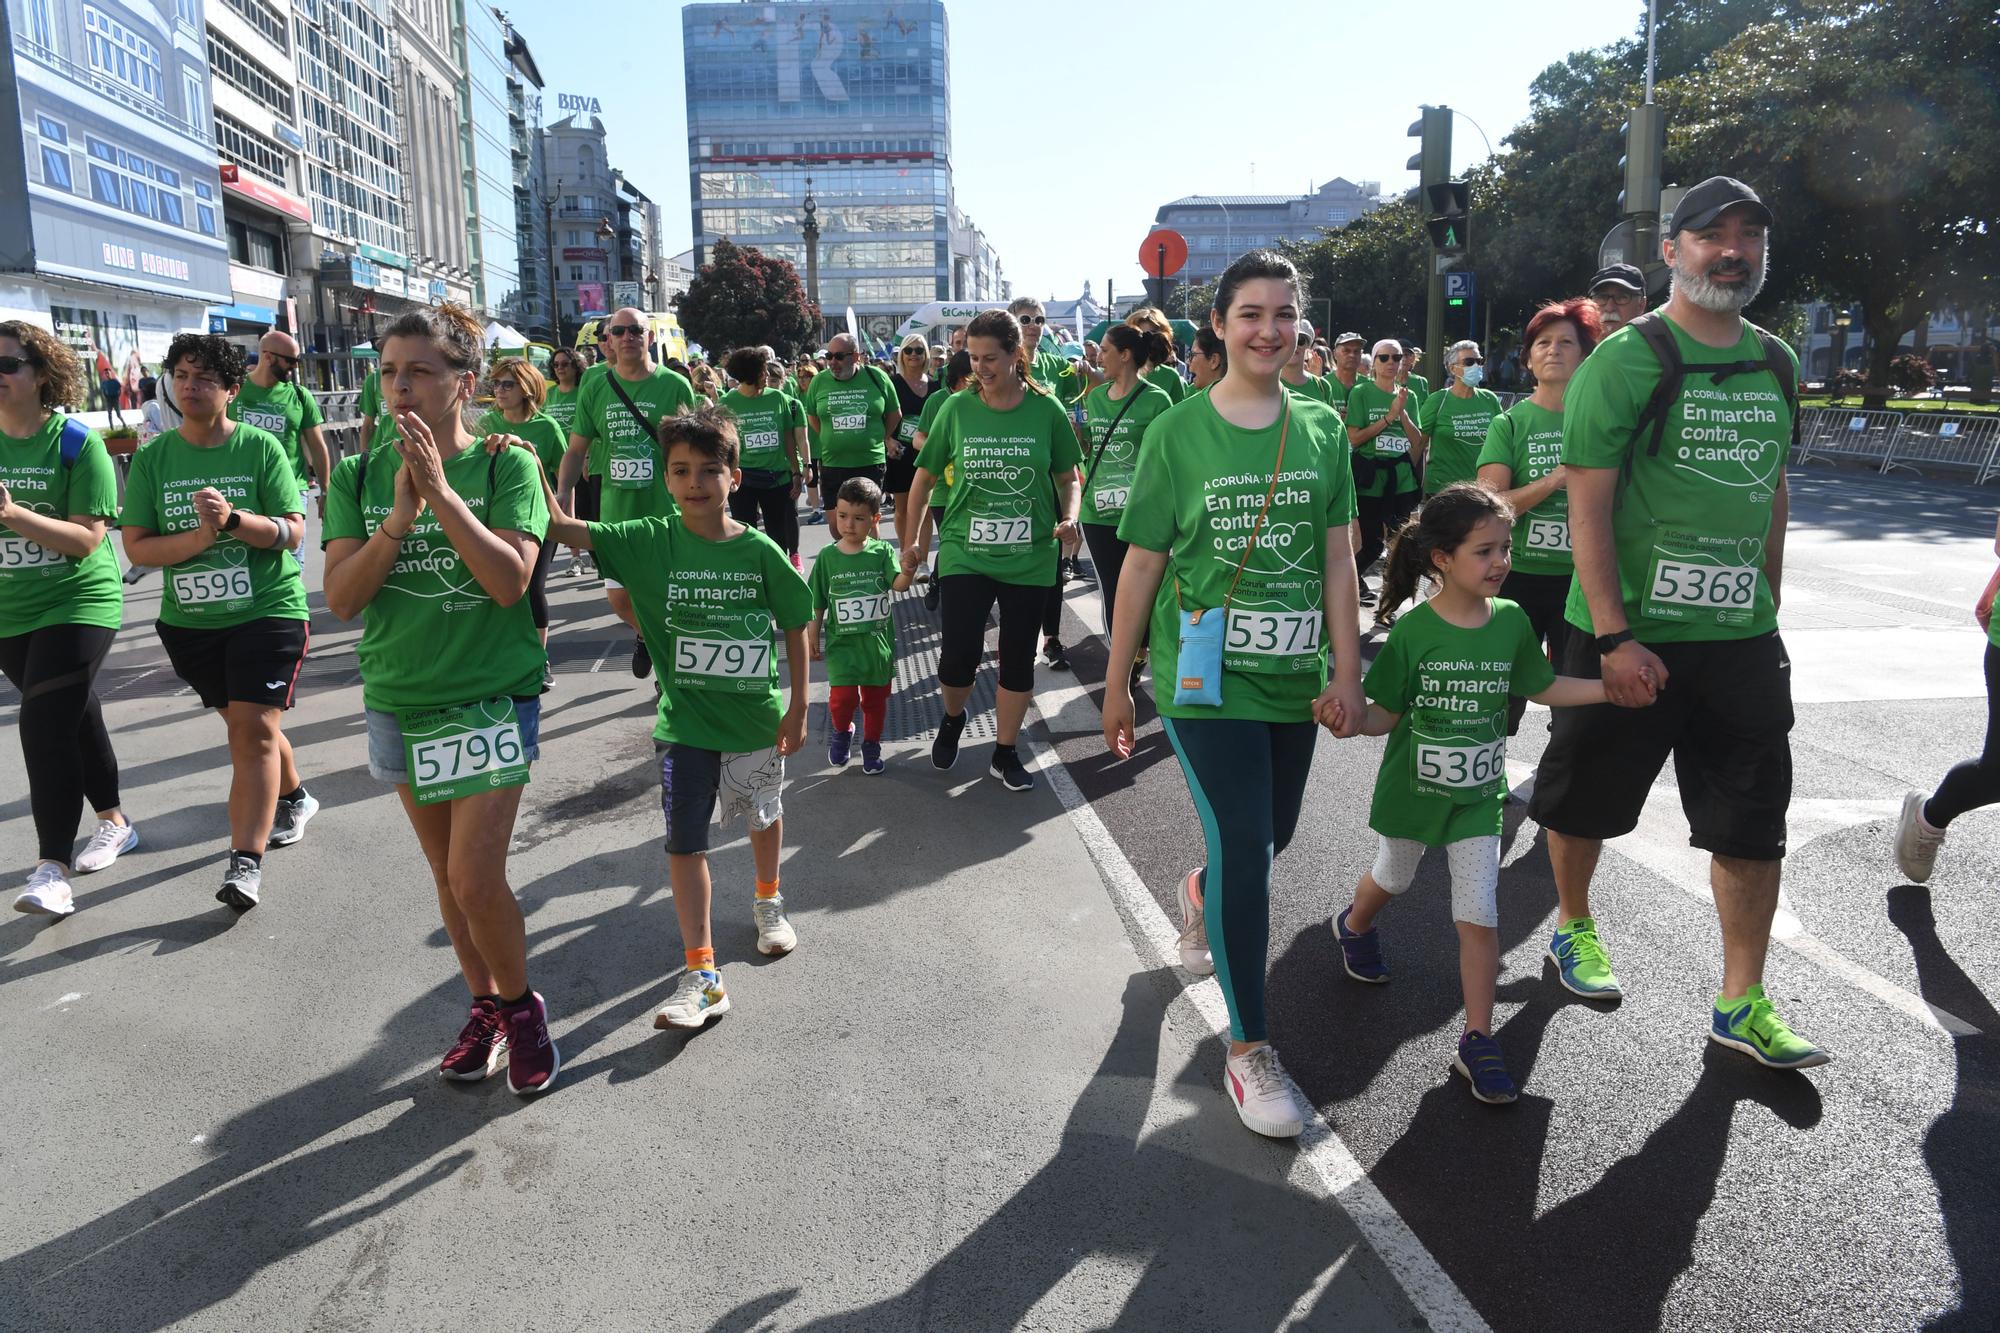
(549, 233)
(811, 230)
(607, 235)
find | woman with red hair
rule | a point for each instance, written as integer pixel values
(1522, 463)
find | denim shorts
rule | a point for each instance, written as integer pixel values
(386, 759)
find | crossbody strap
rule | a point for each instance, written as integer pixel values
(1103, 441)
(611, 378)
(1277, 467)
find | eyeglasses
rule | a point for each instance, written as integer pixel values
(626, 330)
(1385, 356)
(11, 365)
(1034, 319)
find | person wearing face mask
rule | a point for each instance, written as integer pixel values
(1454, 422)
(271, 399)
(1521, 462)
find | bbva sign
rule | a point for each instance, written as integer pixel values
(582, 103)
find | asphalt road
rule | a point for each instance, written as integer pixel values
(978, 1096)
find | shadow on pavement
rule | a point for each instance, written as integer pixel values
(1960, 1146)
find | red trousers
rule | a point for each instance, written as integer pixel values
(873, 701)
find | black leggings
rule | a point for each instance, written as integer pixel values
(776, 508)
(63, 740)
(967, 601)
(1107, 554)
(1380, 516)
(538, 584)
(1543, 597)
(1974, 782)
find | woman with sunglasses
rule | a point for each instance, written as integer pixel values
(1453, 423)
(1387, 451)
(914, 386)
(433, 545)
(61, 601)
(1238, 518)
(519, 410)
(1208, 360)
(1521, 462)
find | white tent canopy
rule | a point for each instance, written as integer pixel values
(943, 313)
(500, 335)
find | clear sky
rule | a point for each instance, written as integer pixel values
(1074, 120)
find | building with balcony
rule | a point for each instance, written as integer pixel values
(1220, 227)
(854, 95)
(111, 222)
(578, 194)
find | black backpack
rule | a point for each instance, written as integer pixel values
(1652, 327)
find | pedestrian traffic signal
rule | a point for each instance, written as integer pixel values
(1448, 216)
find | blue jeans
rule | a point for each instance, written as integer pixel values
(387, 761)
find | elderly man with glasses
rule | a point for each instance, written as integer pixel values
(854, 414)
(1620, 293)
(617, 430)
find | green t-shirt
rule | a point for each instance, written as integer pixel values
(932, 406)
(230, 582)
(623, 452)
(761, 425)
(1000, 519)
(1048, 366)
(40, 587)
(850, 414)
(286, 410)
(858, 631)
(1165, 379)
(1197, 496)
(541, 430)
(707, 611)
(1527, 440)
(432, 637)
(1366, 405)
(561, 404)
(371, 406)
(1691, 522)
(1420, 388)
(1116, 459)
(1314, 387)
(1444, 771)
(1456, 428)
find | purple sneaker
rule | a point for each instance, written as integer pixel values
(839, 746)
(871, 757)
(480, 1045)
(532, 1058)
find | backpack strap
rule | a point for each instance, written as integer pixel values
(1652, 327)
(1777, 360)
(71, 441)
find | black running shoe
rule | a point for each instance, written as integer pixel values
(642, 661)
(944, 750)
(1008, 768)
(1367, 597)
(1058, 659)
(932, 594)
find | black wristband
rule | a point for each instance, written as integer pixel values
(1607, 642)
(234, 520)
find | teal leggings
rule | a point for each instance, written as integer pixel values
(1248, 780)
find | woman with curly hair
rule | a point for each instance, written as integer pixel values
(61, 601)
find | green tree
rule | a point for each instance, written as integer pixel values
(1369, 273)
(743, 297)
(1191, 301)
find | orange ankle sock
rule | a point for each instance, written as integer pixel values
(701, 958)
(769, 890)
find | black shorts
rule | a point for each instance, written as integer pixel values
(256, 662)
(901, 473)
(588, 499)
(1726, 718)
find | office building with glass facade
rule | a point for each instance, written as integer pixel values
(856, 96)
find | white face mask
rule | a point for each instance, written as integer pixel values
(1472, 376)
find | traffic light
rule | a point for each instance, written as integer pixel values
(1432, 162)
(1449, 216)
(1645, 145)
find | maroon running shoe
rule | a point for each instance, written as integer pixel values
(480, 1045)
(532, 1058)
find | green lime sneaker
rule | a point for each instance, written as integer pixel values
(1580, 961)
(1752, 1026)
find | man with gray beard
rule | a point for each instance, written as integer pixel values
(1675, 434)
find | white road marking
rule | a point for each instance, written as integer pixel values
(1422, 1278)
(1660, 844)
(70, 998)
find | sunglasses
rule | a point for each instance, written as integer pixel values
(1384, 356)
(12, 365)
(915, 351)
(840, 356)
(1034, 319)
(1475, 361)
(625, 330)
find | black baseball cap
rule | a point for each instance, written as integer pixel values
(1619, 275)
(1703, 204)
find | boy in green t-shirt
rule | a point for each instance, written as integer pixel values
(853, 578)
(707, 592)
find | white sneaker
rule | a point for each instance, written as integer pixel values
(105, 846)
(697, 998)
(1262, 1093)
(774, 933)
(1195, 956)
(47, 893)
(1917, 843)
(288, 820)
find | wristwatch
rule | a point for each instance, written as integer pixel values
(235, 517)
(1607, 642)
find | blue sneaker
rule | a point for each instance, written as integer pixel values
(1485, 1070)
(1361, 955)
(871, 758)
(1580, 961)
(839, 746)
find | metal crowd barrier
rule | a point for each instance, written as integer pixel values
(1934, 439)
(1847, 432)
